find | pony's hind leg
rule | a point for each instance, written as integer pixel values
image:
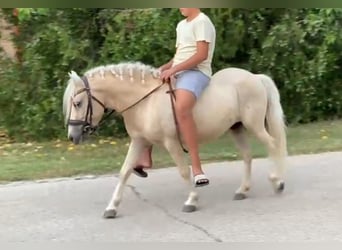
(276, 175)
(277, 169)
(177, 154)
(239, 135)
(135, 149)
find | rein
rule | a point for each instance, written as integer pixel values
(173, 99)
(144, 97)
(87, 123)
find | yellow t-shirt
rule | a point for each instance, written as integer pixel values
(188, 33)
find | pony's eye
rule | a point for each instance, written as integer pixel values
(77, 104)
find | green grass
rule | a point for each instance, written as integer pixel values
(28, 161)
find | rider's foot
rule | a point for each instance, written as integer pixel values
(139, 171)
(201, 180)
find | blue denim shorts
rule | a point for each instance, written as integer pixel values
(192, 80)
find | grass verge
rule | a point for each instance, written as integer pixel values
(31, 160)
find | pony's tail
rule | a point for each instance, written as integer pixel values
(275, 121)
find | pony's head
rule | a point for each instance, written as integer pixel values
(119, 86)
(82, 108)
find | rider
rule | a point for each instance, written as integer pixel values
(191, 67)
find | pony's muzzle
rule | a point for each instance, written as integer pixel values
(75, 140)
(75, 133)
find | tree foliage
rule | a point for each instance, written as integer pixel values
(299, 48)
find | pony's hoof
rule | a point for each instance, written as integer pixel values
(189, 208)
(240, 196)
(109, 214)
(281, 187)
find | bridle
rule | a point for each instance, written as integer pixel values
(87, 123)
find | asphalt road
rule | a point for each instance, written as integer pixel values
(310, 209)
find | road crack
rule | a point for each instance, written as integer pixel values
(168, 214)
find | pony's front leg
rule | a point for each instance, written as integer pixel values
(177, 155)
(134, 151)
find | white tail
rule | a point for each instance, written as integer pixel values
(275, 116)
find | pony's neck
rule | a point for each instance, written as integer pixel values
(121, 93)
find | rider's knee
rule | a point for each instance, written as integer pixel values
(182, 112)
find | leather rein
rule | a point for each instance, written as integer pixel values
(87, 123)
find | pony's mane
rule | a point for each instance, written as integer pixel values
(134, 70)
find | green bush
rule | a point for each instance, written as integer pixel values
(299, 48)
(302, 53)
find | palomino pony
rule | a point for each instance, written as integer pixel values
(235, 100)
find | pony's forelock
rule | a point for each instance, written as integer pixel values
(68, 94)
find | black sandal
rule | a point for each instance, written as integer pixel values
(139, 171)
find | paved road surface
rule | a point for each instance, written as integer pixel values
(71, 209)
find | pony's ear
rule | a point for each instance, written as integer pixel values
(76, 79)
